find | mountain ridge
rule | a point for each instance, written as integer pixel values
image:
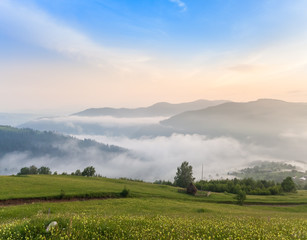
(157, 109)
(233, 117)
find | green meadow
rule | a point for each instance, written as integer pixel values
(150, 212)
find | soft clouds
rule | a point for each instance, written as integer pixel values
(37, 27)
(104, 125)
(93, 74)
(158, 158)
(151, 159)
(148, 159)
(107, 121)
(180, 4)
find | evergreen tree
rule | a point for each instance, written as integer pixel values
(184, 175)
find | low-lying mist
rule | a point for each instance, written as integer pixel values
(223, 138)
(103, 125)
(159, 157)
(148, 159)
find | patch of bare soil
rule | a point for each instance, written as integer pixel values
(21, 201)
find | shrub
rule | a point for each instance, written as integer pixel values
(191, 189)
(62, 194)
(241, 197)
(125, 192)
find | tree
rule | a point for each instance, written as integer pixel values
(33, 170)
(89, 171)
(288, 185)
(78, 172)
(44, 170)
(241, 196)
(24, 171)
(184, 175)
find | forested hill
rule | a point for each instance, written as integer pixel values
(37, 143)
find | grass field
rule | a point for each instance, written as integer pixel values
(153, 212)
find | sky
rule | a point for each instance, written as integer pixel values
(67, 55)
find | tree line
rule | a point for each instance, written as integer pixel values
(184, 177)
(248, 185)
(33, 170)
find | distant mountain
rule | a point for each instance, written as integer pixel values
(136, 122)
(156, 110)
(20, 147)
(279, 127)
(264, 116)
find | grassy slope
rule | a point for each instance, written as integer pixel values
(147, 198)
(149, 201)
(49, 186)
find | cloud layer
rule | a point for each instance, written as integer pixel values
(158, 158)
(152, 159)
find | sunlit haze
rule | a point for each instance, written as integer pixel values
(65, 56)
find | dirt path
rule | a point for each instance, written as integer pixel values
(21, 201)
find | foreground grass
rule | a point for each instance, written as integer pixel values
(159, 227)
(153, 212)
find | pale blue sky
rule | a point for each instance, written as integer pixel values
(150, 50)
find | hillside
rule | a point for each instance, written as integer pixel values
(21, 147)
(41, 143)
(275, 171)
(264, 116)
(158, 109)
(272, 128)
(23, 187)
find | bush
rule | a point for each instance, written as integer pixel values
(125, 192)
(191, 189)
(241, 197)
(62, 194)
